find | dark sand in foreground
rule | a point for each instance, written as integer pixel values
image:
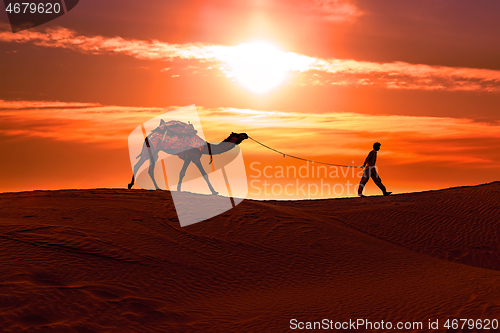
(112, 260)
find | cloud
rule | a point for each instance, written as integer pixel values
(307, 70)
(19, 105)
(411, 139)
(336, 10)
(417, 152)
(82, 122)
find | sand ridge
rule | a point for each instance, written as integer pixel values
(113, 260)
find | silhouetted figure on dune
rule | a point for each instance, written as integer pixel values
(371, 171)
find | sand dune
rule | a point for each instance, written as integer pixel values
(112, 260)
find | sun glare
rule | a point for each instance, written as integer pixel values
(258, 66)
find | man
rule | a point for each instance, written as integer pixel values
(370, 171)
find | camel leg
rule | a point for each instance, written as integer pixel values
(151, 171)
(183, 172)
(136, 168)
(204, 174)
(131, 182)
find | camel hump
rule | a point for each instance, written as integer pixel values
(179, 127)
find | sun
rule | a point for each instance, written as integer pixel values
(258, 66)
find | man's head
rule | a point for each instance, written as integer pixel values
(376, 146)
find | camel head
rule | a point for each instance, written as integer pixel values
(236, 138)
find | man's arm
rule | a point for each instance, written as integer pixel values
(368, 158)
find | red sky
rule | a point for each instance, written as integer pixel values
(421, 77)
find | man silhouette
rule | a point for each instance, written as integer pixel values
(370, 171)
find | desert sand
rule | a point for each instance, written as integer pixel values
(116, 260)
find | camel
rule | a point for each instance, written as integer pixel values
(189, 155)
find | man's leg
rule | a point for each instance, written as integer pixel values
(378, 181)
(363, 181)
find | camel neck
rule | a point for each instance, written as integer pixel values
(221, 147)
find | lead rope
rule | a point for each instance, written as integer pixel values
(299, 158)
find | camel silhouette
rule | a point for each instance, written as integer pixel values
(189, 155)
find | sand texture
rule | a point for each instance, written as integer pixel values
(115, 260)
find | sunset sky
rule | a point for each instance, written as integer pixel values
(320, 79)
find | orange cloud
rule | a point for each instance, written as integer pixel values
(308, 70)
(19, 105)
(291, 131)
(436, 152)
(336, 10)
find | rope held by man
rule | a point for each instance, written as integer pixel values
(300, 158)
